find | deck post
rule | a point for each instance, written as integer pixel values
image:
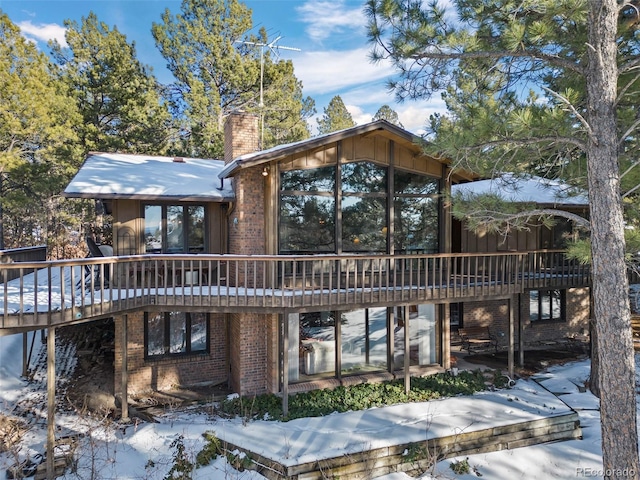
(511, 352)
(25, 346)
(443, 313)
(51, 401)
(407, 350)
(285, 362)
(520, 333)
(124, 372)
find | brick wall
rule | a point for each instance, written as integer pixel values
(249, 342)
(495, 314)
(253, 362)
(167, 373)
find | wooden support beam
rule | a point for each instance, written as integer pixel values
(520, 333)
(443, 313)
(511, 353)
(285, 362)
(124, 374)
(407, 350)
(25, 347)
(51, 401)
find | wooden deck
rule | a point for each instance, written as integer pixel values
(54, 293)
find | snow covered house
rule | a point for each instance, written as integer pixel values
(327, 261)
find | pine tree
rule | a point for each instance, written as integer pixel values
(387, 113)
(217, 71)
(37, 153)
(118, 97)
(580, 55)
(336, 117)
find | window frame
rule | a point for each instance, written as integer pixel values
(185, 206)
(166, 329)
(547, 296)
(385, 191)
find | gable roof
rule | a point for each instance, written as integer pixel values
(380, 127)
(146, 177)
(526, 189)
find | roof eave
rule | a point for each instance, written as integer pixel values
(269, 155)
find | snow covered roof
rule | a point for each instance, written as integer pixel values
(145, 177)
(531, 189)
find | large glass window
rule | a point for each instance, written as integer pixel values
(362, 339)
(547, 305)
(307, 211)
(176, 333)
(312, 211)
(174, 228)
(416, 213)
(422, 335)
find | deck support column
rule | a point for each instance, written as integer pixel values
(511, 355)
(520, 333)
(51, 401)
(407, 350)
(285, 362)
(124, 372)
(25, 347)
(443, 313)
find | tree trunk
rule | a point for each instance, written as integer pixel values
(610, 285)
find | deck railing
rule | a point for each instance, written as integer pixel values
(64, 291)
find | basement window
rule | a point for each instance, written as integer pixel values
(547, 305)
(175, 333)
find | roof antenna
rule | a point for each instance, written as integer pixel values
(273, 47)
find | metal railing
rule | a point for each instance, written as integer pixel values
(67, 291)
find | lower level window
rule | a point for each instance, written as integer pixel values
(547, 305)
(175, 333)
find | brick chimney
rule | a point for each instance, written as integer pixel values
(248, 332)
(241, 135)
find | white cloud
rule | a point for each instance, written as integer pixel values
(43, 32)
(329, 71)
(326, 18)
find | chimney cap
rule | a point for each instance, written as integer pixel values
(178, 160)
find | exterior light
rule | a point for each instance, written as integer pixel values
(265, 171)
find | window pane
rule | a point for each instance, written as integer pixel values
(364, 340)
(555, 301)
(155, 335)
(153, 228)
(315, 180)
(534, 313)
(317, 341)
(412, 183)
(364, 224)
(198, 332)
(177, 332)
(307, 223)
(364, 177)
(175, 231)
(196, 228)
(416, 225)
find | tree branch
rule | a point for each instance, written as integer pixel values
(582, 120)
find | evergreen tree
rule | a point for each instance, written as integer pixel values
(37, 154)
(217, 70)
(118, 97)
(387, 113)
(583, 58)
(336, 117)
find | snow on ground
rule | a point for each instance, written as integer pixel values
(108, 450)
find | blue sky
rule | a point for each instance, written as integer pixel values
(333, 57)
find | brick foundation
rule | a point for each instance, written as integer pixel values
(167, 373)
(495, 314)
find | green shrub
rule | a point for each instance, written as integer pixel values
(357, 397)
